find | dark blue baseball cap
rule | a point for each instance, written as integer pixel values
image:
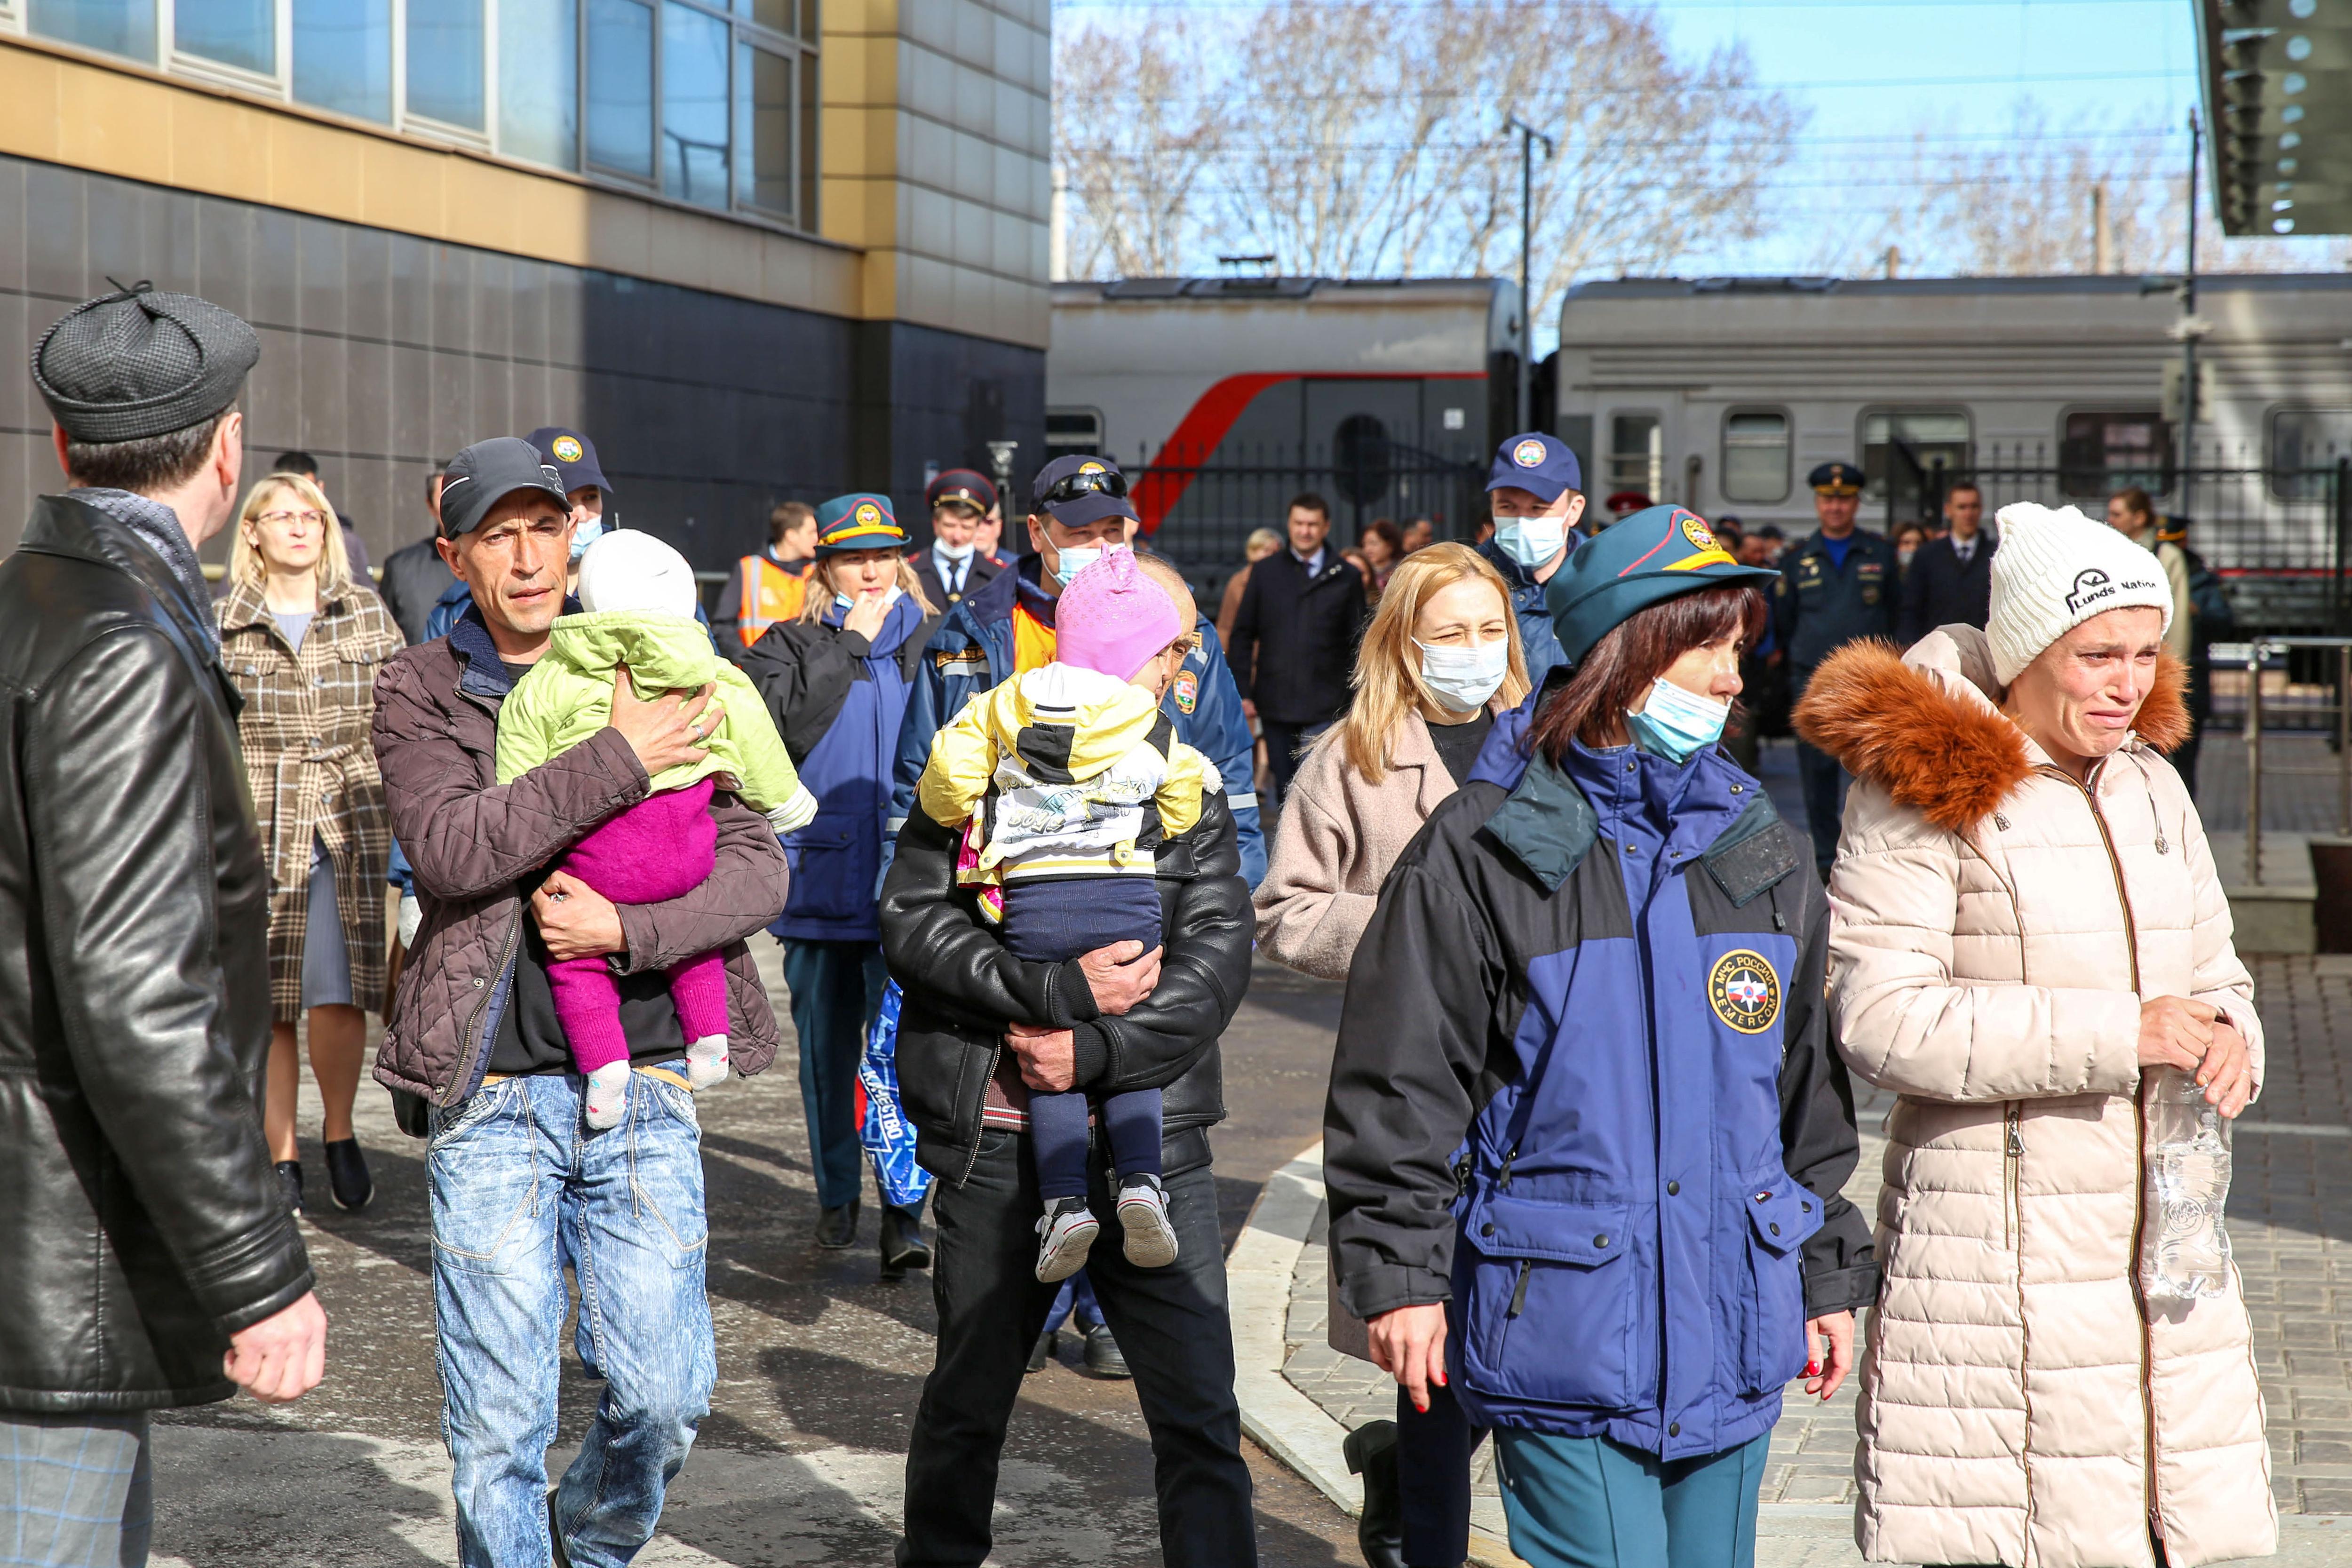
(1539, 464)
(1077, 489)
(1652, 556)
(574, 455)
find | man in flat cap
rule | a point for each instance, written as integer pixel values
(1840, 585)
(150, 1261)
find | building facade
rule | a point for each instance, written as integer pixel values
(774, 252)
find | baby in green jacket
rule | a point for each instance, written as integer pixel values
(638, 596)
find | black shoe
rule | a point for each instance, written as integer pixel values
(837, 1228)
(289, 1183)
(902, 1242)
(562, 1558)
(1371, 1453)
(1103, 1357)
(348, 1182)
(1043, 1350)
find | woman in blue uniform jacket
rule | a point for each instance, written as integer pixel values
(1586, 1131)
(835, 681)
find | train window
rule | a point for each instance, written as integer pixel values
(2303, 441)
(1756, 455)
(2101, 453)
(1910, 444)
(1637, 454)
(1073, 430)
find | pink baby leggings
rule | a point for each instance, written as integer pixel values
(660, 849)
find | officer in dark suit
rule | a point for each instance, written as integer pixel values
(954, 565)
(1950, 580)
(1837, 585)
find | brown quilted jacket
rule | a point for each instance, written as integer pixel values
(470, 839)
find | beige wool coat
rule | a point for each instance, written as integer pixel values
(1337, 838)
(304, 729)
(1338, 835)
(1997, 926)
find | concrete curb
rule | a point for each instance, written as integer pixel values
(1277, 1417)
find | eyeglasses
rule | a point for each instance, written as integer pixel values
(282, 518)
(1085, 482)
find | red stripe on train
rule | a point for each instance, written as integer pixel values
(1205, 424)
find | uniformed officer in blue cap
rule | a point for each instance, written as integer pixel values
(1535, 493)
(1837, 585)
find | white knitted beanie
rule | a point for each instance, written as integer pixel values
(2056, 569)
(630, 570)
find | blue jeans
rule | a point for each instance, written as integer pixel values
(520, 1189)
(1587, 1502)
(836, 990)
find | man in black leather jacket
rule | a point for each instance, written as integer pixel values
(977, 1028)
(147, 1259)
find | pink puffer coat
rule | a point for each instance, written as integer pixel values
(1997, 926)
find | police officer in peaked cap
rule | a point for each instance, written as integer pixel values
(1837, 585)
(954, 565)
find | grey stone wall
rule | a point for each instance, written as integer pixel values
(383, 353)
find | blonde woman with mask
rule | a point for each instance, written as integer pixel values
(1441, 659)
(303, 640)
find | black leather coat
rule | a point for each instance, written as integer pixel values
(141, 1224)
(962, 987)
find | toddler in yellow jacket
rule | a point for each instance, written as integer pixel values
(1066, 779)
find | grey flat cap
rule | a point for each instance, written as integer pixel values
(136, 363)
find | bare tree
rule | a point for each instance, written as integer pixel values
(1134, 148)
(2035, 201)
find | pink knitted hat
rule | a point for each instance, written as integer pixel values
(1112, 617)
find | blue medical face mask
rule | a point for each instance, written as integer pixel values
(953, 552)
(1676, 724)
(1073, 559)
(586, 535)
(1530, 541)
(1464, 678)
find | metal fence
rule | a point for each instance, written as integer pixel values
(1201, 505)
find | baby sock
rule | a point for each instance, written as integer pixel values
(706, 1061)
(608, 1094)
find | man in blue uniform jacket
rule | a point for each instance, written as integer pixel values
(1535, 493)
(1005, 626)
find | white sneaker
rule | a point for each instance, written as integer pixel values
(1063, 1237)
(707, 1063)
(608, 1095)
(1143, 1214)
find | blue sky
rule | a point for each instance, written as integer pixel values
(1871, 74)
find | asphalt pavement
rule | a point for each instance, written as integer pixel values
(820, 1365)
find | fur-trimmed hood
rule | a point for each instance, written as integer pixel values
(1926, 724)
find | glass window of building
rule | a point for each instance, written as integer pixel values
(2100, 453)
(765, 168)
(240, 33)
(1637, 454)
(695, 122)
(118, 27)
(621, 87)
(1756, 455)
(343, 56)
(538, 81)
(445, 61)
(1910, 444)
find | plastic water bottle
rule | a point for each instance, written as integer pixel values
(2184, 1250)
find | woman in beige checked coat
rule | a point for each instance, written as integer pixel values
(302, 641)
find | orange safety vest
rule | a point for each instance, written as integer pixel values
(1034, 642)
(771, 594)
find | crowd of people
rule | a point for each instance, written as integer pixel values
(1589, 1113)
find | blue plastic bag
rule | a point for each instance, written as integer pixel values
(887, 1136)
